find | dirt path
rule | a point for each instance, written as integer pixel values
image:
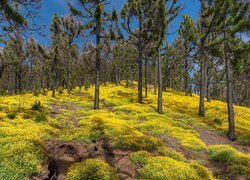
(212, 138)
(55, 110)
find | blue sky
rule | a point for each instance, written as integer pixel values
(49, 7)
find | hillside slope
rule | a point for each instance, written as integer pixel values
(63, 137)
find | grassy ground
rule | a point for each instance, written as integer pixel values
(41, 137)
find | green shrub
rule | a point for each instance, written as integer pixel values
(140, 157)
(217, 121)
(238, 169)
(131, 100)
(222, 156)
(44, 92)
(86, 85)
(37, 106)
(93, 169)
(11, 115)
(41, 117)
(244, 139)
(222, 153)
(2, 92)
(36, 93)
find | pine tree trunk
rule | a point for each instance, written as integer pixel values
(186, 70)
(167, 83)
(202, 81)
(208, 90)
(69, 78)
(155, 79)
(98, 57)
(105, 74)
(19, 83)
(140, 75)
(53, 74)
(146, 78)
(208, 86)
(116, 75)
(159, 106)
(186, 77)
(202, 66)
(230, 108)
(131, 76)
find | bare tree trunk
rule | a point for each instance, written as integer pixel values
(19, 82)
(186, 70)
(53, 73)
(69, 78)
(131, 76)
(230, 108)
(105, 74)
(140, 75)
(116, 75)
(98, 68)
(1, 70)
(159, 106)
(208, 86)
(208, 90)
(202, 81)
(155, 78)
(10, 91)
(146, 78)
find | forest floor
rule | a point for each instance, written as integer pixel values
(55, 140)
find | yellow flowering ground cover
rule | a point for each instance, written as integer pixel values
(27, 122)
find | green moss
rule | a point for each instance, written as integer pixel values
(93, 169)
(41, 117)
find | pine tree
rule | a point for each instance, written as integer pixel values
(56, 42)
(15, 15)
(146, 13)
(207, 24)
(187, 31)
(95, 13)
(72, 30)
(234, 18)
